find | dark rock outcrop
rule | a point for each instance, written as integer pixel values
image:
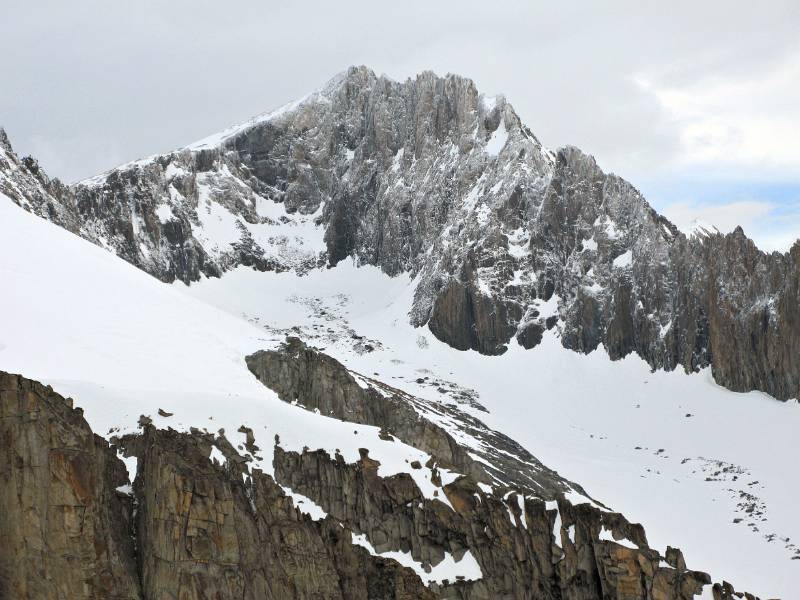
(467, 319)
(193, 529)
(320, 382)
(65, 532)
(204, 532)
(200, 531)
(524, 549)
(299, 373)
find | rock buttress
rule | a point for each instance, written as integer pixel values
(64, 529)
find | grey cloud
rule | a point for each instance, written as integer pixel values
(107, 82)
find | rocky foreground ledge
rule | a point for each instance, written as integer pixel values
(73, 526)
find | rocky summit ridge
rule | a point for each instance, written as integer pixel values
(430, 178)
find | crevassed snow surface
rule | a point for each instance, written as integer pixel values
(124, 344)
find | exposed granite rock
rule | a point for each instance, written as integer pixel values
(318, 381)
(200, 530)
(510, 533)
(65, 532)
(520, 548)
(467, 319)
(25, 183)
(754, 315)
(205, 530)
(298, 373)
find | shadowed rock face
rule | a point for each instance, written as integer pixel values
(64, 530)
(518, 543)
(204, 530)
(299, 373)
(431, 178)
(467, 319)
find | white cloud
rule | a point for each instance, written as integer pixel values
(746, 120)
(724, 217)
(68, 154)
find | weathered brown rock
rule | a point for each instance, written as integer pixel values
(65, 532)
(519, 552)
(203, 530)
(205, 533)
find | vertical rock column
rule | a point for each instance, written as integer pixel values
(64, 529)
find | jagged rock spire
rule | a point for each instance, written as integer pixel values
(4, 143)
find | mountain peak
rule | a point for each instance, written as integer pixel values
(700, 228)
(4, 143)
(428, 177)
(353, 73)
(497, 245)
(359, 76)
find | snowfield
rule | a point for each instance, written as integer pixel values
(677, 453)
(123, 344)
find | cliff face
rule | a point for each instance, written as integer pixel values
(431, 178)
(65, 530)
(191, 529)
(204, 532)
(319, 382)
(196, 527)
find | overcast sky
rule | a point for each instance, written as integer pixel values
(696, 103)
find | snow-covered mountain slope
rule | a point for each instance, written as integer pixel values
(124, 344)
(686, 457)
(432, 178)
